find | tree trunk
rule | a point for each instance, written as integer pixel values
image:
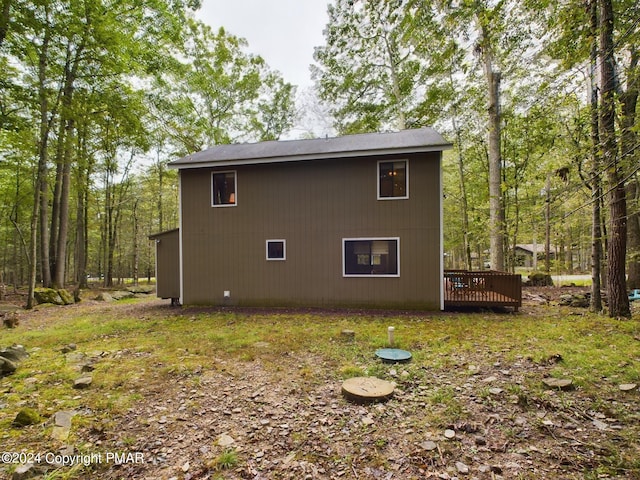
(595, 183)
(463, 195)
(42, 190)
(83, 178)
(5, 16)
(40, 200)
(61, 249)
(55, 203)
(547, 225)
(135, 243)
(633, 234)
(617, 244)
(630, 157)
(496, 204)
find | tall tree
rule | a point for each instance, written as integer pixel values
(617, 243)
(220, 94)
(366, 70)
(595, 181)
(486, 19)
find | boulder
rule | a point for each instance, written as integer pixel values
(143, 289)
(15, 353)
(7, 367)
(539, 279)
(62, 425)
(47, 295)
(26, 416)
(104, 297)
(121, 295)
(571, 300)
(82, 383)
(66, 296)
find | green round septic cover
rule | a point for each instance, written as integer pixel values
(393, 355)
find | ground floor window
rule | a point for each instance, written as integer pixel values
(364, 257)
(276, 250)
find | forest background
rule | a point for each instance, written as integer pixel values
(538, 97)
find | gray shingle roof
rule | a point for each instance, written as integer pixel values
(366, 144)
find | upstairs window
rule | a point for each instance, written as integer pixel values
(393, 180)
(276, 250)
(223, 189)
(371, 257)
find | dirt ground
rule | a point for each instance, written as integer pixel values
(295, 424)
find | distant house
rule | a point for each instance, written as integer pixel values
(524, 254)
(351, 221)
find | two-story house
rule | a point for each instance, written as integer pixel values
(352, 221)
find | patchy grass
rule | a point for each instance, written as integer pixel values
(142, 351)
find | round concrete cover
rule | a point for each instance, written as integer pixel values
(367, 389)
(393, 355)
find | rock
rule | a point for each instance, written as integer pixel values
(367, 420)
(580, 301)
(537, 299)
(559, 383)
(7, 367)
(82, 382)
(25, 471)
(627, 387)
(480, 440)
(141, 289)
(121, 295)
(66, 297)
(62, 425)
(448, 433)
(47, 295)
(599, 424)
(429, 445)
(15, 353)
(69, 348)
(10, 319)
(225, 440)
(104, 297)
(462, 468)
(26, 416)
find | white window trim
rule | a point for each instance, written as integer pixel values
(405, 197)
(344, 258)
(284, 249)
(235, 189)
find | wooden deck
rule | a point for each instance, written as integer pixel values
(482, 289)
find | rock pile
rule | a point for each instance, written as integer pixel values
(575, 300)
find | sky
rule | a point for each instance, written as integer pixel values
(283, 32)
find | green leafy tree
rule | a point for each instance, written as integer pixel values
(367, 70)
(220, 94)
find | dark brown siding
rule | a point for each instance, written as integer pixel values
(167, 264)
(313, 205)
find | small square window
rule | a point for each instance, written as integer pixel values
(393, 180)
(276, 250)
(223, 189)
